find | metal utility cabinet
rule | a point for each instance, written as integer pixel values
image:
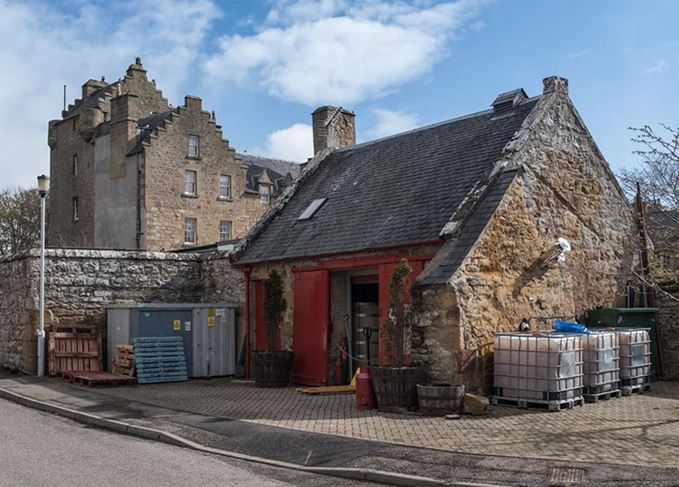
(208, 331)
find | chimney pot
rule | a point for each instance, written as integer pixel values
(555, 84)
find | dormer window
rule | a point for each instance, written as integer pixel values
(194, 146)
(265, 193)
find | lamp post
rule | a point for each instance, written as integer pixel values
(43, 188)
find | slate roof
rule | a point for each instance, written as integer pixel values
(91, 101)
(400, 190)
(147, 126)
(281, 172)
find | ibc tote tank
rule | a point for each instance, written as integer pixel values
(538, 369)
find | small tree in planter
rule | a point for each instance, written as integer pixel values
(271, 368)
(395, 381)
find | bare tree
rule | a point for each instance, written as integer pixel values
(658, 177)
(658, 171)
(19, 220)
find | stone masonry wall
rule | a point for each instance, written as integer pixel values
(668, 332)
(75, 134)
(566, 190)
(164, 203)
(80, 283)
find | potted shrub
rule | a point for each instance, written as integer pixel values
(271, 367)
(395, 380)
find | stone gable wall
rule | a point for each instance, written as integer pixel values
(77, 135)
(80, 283)
(164, 202)
(565, 190)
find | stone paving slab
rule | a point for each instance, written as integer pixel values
(636, 430)
(640, 429)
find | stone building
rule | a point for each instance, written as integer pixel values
(128, 171)
(476, 205)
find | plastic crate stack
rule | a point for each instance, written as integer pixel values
(542, 370)
(635, 360)
(601, 365)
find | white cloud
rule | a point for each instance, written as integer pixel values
(45, 49)
(657, 68)
(580, 53)
(294, 143)
(340, 52)
(391, 122)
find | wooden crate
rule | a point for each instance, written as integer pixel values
(124, 363)
(74, 351)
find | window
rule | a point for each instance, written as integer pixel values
(190, 183)
(75, 164)
(225, 187)
(265, 193)
(311, 209)
(194, 146)
(76, 209)
(224, 231)
(190, 231)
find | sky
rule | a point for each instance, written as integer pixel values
(264, 66)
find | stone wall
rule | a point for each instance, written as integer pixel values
(74, 134)
(164, 203)
(565, 190)
(80, 283)
(668, 332)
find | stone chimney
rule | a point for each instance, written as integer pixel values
(555, 84)
(91, 86)
(333, 127)
(193, 103)
(136, 70)
(123, 125)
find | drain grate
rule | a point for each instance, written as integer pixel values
(565, 477)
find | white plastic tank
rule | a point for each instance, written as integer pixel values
(635, 353)
(538, 367)
(601, 361)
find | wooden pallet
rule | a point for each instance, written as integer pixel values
(97, 379)
(124, 363)
(160, 359)
(546, 405)
(602, 396)
(74, 351)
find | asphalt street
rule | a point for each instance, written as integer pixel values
(39, 449)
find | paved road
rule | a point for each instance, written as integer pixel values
(38, 449)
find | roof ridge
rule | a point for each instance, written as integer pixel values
(430, 126)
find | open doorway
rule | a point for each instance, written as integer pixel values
(365, 313)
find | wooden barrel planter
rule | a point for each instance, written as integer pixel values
(396, 387)
(439, 399)
(271, 369)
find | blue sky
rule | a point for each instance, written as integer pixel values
(263, 66)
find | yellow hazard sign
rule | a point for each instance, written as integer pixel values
(177, 325)
(211, 321)
(211, 311)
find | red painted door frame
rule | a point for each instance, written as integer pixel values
(261, 342)
(310, 329)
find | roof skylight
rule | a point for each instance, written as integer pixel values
(312, 208)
